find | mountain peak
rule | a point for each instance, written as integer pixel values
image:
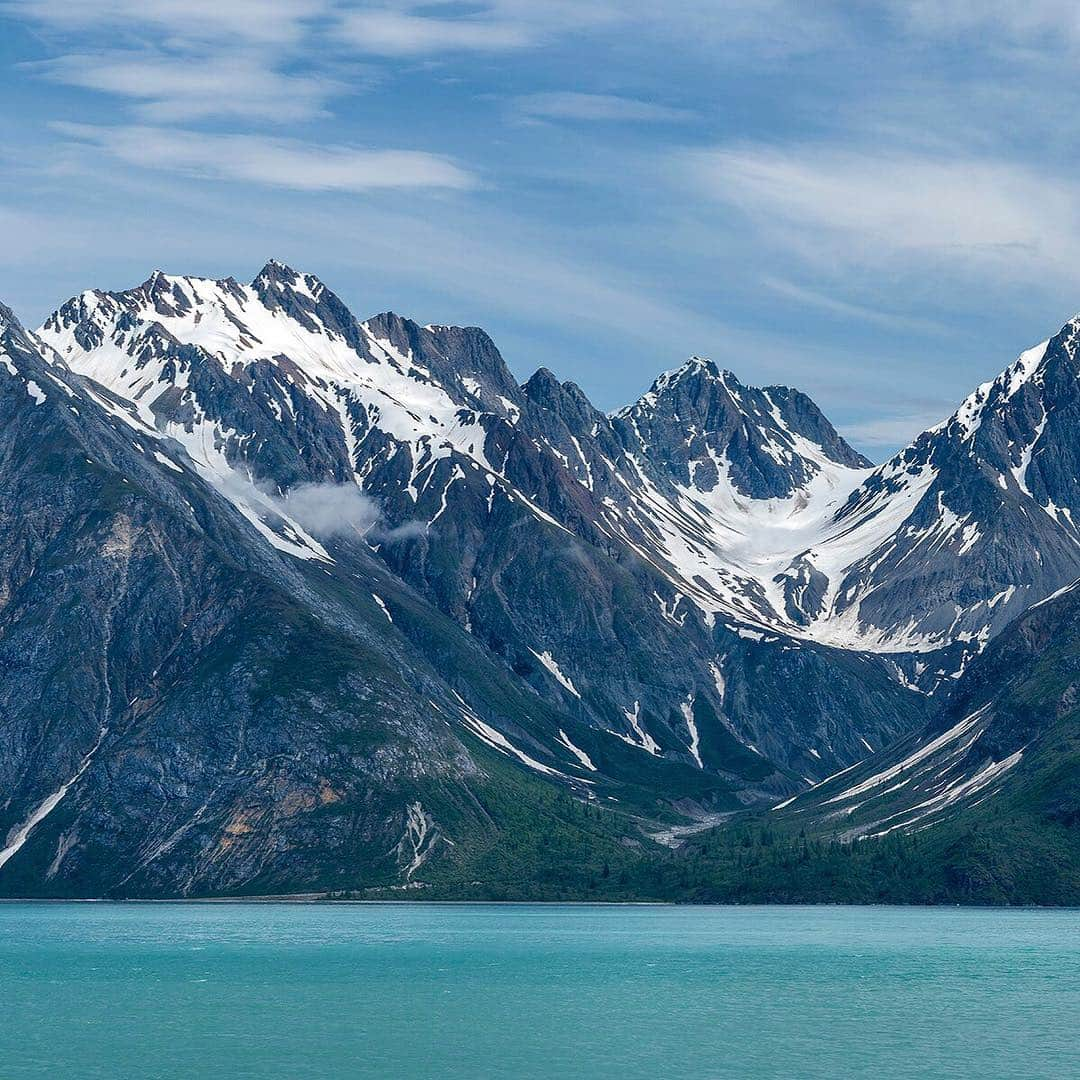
(542, 379)
(773, 441)
(16, 338)
(8, 319)
(706, 366)
(19, 347)
(278, 273)
(698, 371)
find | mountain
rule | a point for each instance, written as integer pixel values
(600, 559)
(359, 611)
(747, 504)
(249, 700)
(925, 558)
(192, 705)
(1004, 722)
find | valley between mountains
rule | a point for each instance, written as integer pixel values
(296, 603)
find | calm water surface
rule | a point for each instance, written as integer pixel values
(286, 991)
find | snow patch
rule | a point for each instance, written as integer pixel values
(548, 661)
(19, 835)
(687, 709)
(644, 740)
(580, 754)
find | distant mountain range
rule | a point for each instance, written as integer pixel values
(292, 602)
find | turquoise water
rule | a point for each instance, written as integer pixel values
(287, 991)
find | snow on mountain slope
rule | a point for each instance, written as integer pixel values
(913, 792)
(969, 525)
(188, 352)
(911, 788)
(1002, 751)
(187, 710)
(762, 491)
(745, 502)
(284, 320)
(739, 493)
(939, 547)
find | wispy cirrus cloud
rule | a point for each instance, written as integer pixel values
(283, 60)
(570, 105)
(164, 88)
(869, 206)
(259, 159)
(1007, 20)
(846, 310)
(402, 33)
(182, 60)
(863, 175)
(407, 28)
(180, 22)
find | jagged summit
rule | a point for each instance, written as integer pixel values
(274, 268)
(747, 497)
(281, 380)
(701, 420)
(701, 383)
(8, 318)
(18, 345)
(673, 376)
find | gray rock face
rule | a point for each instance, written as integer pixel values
(204, 697)
(186, 710)
(988, 556)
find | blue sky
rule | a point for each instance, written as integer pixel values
(877, 202)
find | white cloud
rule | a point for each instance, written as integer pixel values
(398, 33)
(1011, 21)
(173, 88)
(183, 60)
(268, 22)
(330, 509)
(258, 159)
(281, 60)
(324, 510)
(407, 28)
(769, 28)
(869, 206)
(567, 105)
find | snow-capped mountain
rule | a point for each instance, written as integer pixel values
(720, 486)
(745, 502)
(973, 521)
(939, 547)
(699, 496)
(702, 601)
(190, 707)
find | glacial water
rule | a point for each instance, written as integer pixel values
(191, 991)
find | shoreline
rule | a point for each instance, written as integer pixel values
(303, 900)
